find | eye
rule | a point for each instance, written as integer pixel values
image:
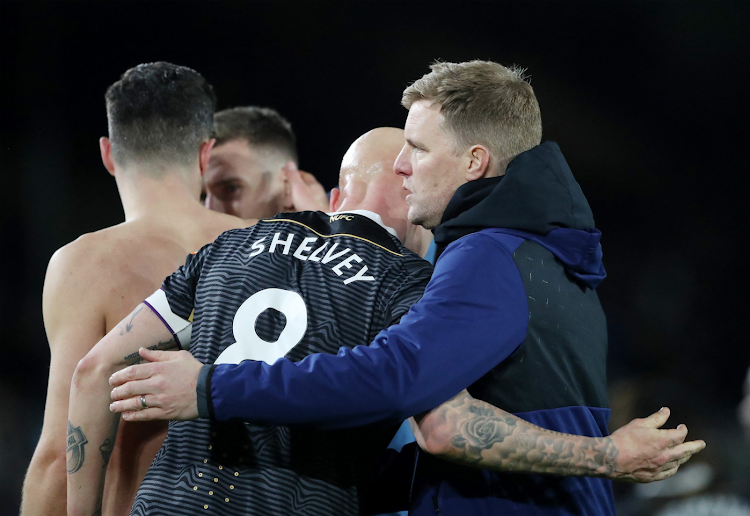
(225, 191)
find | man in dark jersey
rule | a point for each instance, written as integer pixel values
(294, 285)
(512, 303)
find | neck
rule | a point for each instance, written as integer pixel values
(418, 239)
(144, 195)
(399, 225)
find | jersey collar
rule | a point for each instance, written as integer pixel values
(372, 216)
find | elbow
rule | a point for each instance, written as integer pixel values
(91, 369)
(434, 439)
(45, 478)
(435, 446)
(48, 456)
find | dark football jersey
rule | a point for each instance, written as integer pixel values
(297, 284)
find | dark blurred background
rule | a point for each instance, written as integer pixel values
(648, 101)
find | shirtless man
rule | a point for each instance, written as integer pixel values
(160, 121)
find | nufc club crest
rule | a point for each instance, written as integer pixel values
(74, 452)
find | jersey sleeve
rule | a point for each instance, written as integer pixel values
(174, 302)
(180, 286)
(473, 315)
(409, 292)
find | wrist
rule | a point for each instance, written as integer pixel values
(202, 392)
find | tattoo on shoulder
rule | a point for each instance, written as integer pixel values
(74, 450)
(129, 325)
(135, 358)
(106, 450)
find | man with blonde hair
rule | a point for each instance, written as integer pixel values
(511, 313)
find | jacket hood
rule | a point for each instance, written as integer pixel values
(537, 199)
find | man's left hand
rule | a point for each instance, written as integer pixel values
(167, 384)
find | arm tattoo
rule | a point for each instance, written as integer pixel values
(486, 439)
(106, 450)
(481, 433)
(74, 449)
(129, 324)
(135, 358)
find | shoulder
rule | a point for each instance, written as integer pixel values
(487, 240)
(77, 257)
(484, 260)
(219, 223)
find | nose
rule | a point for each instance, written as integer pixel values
(401, 166)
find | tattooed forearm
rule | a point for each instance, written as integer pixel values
(106, 450)
(485, 437)
(74, 451)
(135, 358)
(129, 325)
(481, 433)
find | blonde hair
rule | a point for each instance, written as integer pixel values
(482, 103)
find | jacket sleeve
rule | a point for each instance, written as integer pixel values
(473, 315)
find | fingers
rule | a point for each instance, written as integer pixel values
(687, 449)
(308, 178)
(134, 372)
(664, 474)
(154, 355)
(149, 414)
(134, 404)
(130, 389)
(293, 174)
(675, 436)
(679, 455)
(657, 419)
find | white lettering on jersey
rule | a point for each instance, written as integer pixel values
(347, 262)
(330, 256)
(258, 247)
(360, 276)
(314, 257)
(306, 246)
(276, 241)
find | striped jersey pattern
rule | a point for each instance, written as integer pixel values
(297, 284)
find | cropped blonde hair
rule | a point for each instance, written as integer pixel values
(482, 103)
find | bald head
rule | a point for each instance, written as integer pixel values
(367, 181)
(372, 155)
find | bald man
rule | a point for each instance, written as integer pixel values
(293, 285)
(324, 277)
(94, 282)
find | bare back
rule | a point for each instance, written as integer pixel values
(91, 285)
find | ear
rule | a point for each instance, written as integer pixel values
(204, 154)
(105, 148)
(335, 201)
(479, 162)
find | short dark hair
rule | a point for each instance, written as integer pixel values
(159, 112)
(259, 126)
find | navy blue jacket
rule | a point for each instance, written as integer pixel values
(485, 322)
